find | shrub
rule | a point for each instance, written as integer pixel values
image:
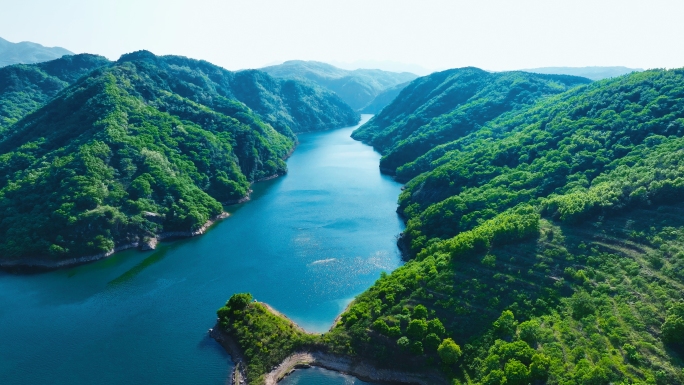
(449, 351)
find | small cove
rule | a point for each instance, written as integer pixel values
(306, 243)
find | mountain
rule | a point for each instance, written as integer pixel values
(145, 147)
(546, 247)
(357, 88)
(26, 52)
(593, 73)
(383, 99)
(447, 105)
(24, 88)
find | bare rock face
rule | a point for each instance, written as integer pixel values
(149, 243)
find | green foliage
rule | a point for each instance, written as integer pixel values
(265, 338)
(673, 327)
(590, 150)
(239, 301)
(447, 105)
(582, 305)
(449, 351)
(420, 312)
(358, 88)
(506, 324)
(516, 373)
(548, 243)
(139, 147)
(417, 329)
(529, 331)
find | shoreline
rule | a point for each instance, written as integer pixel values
(315, 357)
(39, 265)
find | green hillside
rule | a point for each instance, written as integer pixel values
(24, 88)
(27, 52)
(383, 99)
(447, 105)
(547, 247)
(140, 147)
(358, 88)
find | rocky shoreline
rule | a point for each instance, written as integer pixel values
(345, 365)
(305, 359)
(32, 265)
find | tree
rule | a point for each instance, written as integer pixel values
(420, 312)
(516, 373)
(403, 342)
(582, 305)
(435, 326)
(528, 331)
(506, 324)
(432, 341)
(239, 301)
(417, 347)
(673, 327)
(381, 327)
(539, 368)
(495, 377)
(449, 351)
(417, 329)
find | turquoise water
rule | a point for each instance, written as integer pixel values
(307, 243)
(318, 376)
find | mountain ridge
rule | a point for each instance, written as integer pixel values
(357, 87)
(27, 52)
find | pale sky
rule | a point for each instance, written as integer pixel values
(434, 34)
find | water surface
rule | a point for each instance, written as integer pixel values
(307, 243)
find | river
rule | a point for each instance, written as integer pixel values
(306, 243)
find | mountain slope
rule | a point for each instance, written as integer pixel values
(26, 52)
(24, 88)
(560, 144)
(447, 105)
(547, 249)
(357, 88)
(383, 99)
(593, 73)
(142, 147)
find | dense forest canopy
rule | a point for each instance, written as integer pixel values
(546, 246)
(447, 105)
(363, 89)
(139, 147)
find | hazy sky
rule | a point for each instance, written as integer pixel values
(494, 35)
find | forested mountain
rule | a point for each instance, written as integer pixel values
(26, 52)
(24, 88)
(447, 105)
(139, 147)
(383, 99)
(593, 73)
(358, 88)
(546, 248)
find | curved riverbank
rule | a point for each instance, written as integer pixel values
(317, 357)
(148, 243)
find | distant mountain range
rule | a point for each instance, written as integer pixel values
(593, 73)
(358, 88)
(26, 52)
